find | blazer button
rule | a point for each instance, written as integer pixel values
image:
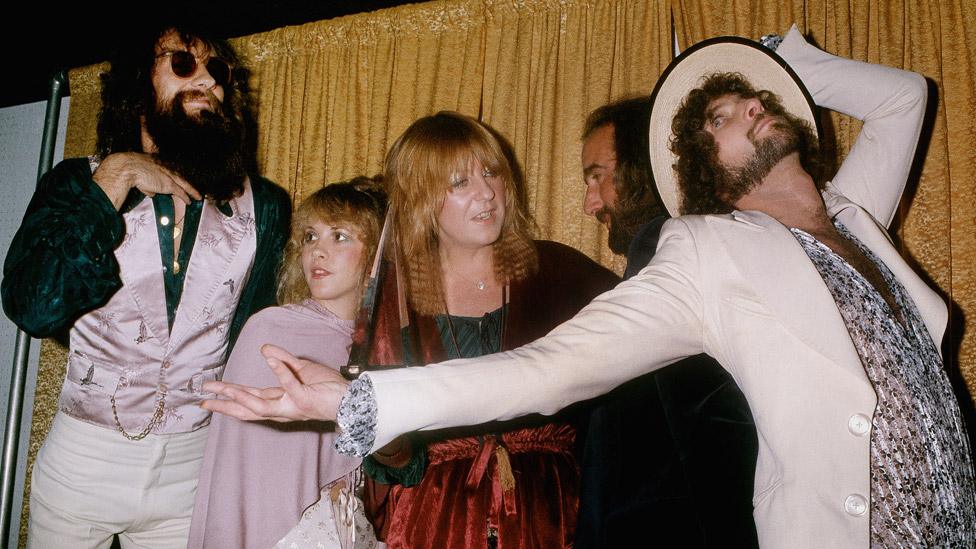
(856, 505)
(859, 425)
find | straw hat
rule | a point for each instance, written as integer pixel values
(760, 66)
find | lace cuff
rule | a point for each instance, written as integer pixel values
(357, 419)
(771, 41)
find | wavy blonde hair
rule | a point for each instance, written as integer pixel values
(419, 170)
(358, 204)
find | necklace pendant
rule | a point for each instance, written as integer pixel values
(176, 267)
(177, 231)
(482, 285)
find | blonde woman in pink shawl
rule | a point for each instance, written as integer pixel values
(269, 484)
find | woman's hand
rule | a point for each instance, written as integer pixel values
(308, 391)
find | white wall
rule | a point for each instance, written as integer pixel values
(20, 146)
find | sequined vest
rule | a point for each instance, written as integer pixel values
(126, 369)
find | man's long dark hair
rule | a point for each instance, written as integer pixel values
(701, 177)
(128, 95)
(637, 201)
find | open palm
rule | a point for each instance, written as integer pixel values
(308, 391)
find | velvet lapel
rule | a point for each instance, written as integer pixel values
(770, 259)
(140, 269)
(392, 328)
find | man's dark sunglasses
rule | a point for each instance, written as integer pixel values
(184, 64)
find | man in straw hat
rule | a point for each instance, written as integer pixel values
(797, 292)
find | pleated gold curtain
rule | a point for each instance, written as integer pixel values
(332, 96)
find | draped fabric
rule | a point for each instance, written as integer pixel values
(463, 492)
(332, 95)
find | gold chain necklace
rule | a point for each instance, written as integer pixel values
(482, 285)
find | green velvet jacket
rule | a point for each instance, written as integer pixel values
(61, 263)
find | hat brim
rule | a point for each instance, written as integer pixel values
(760, 66)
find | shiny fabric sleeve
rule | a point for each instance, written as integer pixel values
(61, 262)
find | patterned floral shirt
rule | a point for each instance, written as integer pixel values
(922, 480)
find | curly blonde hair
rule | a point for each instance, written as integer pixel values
(359, 204)
(419, 168)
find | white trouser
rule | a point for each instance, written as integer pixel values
(90, 483)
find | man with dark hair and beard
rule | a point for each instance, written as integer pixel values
(617, 174)
(149, 256)
(672, 452)
(798, 293)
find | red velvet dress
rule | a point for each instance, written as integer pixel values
(518, 480)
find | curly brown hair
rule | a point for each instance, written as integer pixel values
(359, 204)
(418, 172)
(701, 177)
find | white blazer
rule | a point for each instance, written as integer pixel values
(740, 288)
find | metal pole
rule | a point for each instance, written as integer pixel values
(18, 377)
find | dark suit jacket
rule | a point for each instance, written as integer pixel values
(669, 457)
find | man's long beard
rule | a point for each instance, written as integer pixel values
(738, 182)
(207, 149)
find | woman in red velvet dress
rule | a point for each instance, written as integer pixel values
(476, 283)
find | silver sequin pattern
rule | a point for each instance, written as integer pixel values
(357, 419)
(922, 480)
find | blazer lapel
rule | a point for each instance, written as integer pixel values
(771, 260)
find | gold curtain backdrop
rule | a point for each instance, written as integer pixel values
(331, 96)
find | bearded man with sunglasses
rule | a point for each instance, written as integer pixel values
(149, 257)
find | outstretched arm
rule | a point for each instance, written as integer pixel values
(645, 323)
(890, 101)
(308, 391)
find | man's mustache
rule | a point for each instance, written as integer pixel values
(778, 123)
(192, 95)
